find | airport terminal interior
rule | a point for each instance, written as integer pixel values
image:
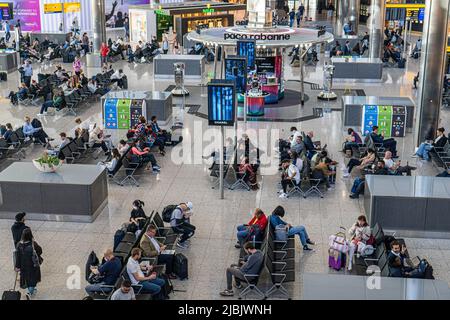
(119, 120)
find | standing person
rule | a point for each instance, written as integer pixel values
(27, 73)
(165, 45)
(28, 262)
(18, 27)
(7, 31)
(18, 227)
(291, 18)
(85, 43)
(330, 10)
(104, 51)
(126, 25)
(300, 13)
(77, 66)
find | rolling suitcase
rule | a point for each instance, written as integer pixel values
(336, 259)
(12, 294)
(338, 249)
(180, 266)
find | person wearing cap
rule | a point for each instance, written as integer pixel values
(18, 227)
(180, 222)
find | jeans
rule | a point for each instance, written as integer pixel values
(97, 287)
(46, 105)
(31, 290)
(238, 276)
(242, 233)
(355, 187)
(291, 23)
(8, 36)
(350, 145)
(423, 150)
(287, 182)
(152, 287)
(301, 232)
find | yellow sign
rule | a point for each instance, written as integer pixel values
(72, 7)
(405, 6)
(53, 8)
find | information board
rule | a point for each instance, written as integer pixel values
(391, 120)
(122, 113)
(247, 49)
(221, 103)
(6, 11)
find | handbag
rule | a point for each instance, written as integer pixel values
(36, 259)
(281, 232)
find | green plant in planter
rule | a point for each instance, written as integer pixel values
(49, 160)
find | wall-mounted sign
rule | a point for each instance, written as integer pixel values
(391, 120)
(210, 10)
(6, 11)
(72, 7)
(162, 12)
(53, 8)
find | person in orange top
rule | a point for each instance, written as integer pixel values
(255, 226)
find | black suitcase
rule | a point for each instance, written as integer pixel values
(12, 294)
(125, 83)
(401, 63)
(3, 76)
(180, 266)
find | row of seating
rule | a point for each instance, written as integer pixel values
(441, 156)
(123, 252)
(16, 148)
(279, 261)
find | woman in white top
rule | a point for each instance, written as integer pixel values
(359, 234)
(297, 161)
(111, 165)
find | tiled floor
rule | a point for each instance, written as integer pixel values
(212, 249)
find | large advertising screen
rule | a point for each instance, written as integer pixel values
(221, 103)
(6, 11)
(247, 49)
(138, 26)
(28, 11)
(236, 71)
(117, 10)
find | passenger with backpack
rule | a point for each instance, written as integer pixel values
(179, 218)
(360, 237)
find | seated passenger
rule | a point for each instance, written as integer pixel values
(367, 159)
(137, 215)
(290, 175)
(297, 161)
(399, 263)
(110, 166)
(23, 91)
(152, 248)
(358, 186)
(396, 167)
(35, 131)
(246, 168)
(123, 147)
(180, 223)
(427, 146)
(125, 292)
(255, 227)
(109, 272)
(149, 280)
(8, 132)
(359, 235)
(351, 141)
(275, 220)
(389, 144)
(250, 265)
(117, 77)
(143, 153)
(56, 102)
(64, 141)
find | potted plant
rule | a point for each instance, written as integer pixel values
(47, 163)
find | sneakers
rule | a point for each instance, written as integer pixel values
(345, 175)
(283, 196)
(238, 286)
(227, 293)
(28, 296)
(237, 246)
(306, 248)
(281, 191)
(308, 241)
(156, 168)
(182, 245)
(354, 196)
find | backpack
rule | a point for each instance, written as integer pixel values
(167, 212)
(35, 123)
(371, 240)
(428, 273)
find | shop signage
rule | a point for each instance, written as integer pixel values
(210, 10)
(53, 8)
(241, 23)
(72, 7)
(260, 36)
(162, 12)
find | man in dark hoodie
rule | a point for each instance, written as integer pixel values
(18, 227)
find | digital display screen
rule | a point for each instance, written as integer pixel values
(221, 103)
(236, 71)
(247, 49)
(6, 11)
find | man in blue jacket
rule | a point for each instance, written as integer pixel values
(389, 144)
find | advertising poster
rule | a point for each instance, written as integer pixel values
(236, 71)
(398, 121)
(247, 49)
(138, 26)
(370, 118)
(28, 11)
(136, 111)
(110, 114)
(385, 120)
(221, 104)
(123, 113)
(116, 10)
